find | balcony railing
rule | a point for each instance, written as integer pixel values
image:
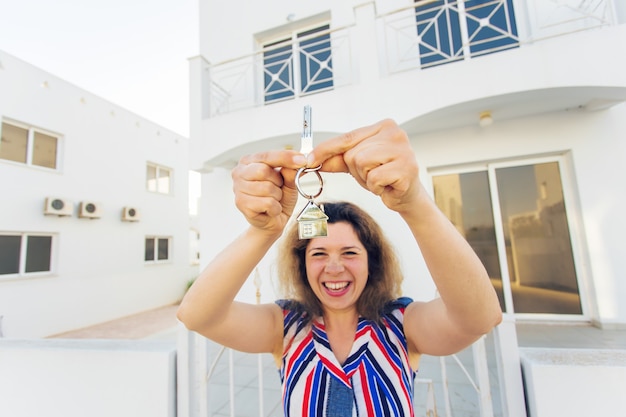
(218, 381)
(311, 64)
(439, 32)
(557, 17)
(426, 34)
(435, 32)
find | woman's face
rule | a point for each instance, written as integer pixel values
(337, 268)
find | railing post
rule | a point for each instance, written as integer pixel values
(481, 368)
(509, 368)
(365, 42)
(199, 89)
(192, 369)
(619, 11)
(182, 371)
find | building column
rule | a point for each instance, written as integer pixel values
(365, 45)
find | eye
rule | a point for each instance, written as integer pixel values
(318, 253)
(352, 253)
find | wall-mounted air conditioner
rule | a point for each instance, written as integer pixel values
(89, 210)
(58, 207)
(130, 214)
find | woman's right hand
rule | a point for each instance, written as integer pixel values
(264, 187)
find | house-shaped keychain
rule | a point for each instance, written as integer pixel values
(312, 222)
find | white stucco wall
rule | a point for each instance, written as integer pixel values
(99, 271)
(590, 140)
(574, 382)
(74, 378)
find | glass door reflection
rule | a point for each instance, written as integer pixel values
(534, 228)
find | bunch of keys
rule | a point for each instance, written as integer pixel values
(312, 221)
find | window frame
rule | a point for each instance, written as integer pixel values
(158, 168)
(294, 42)
(30, 145)
(573, 220)
(155, 249)
(23, 255)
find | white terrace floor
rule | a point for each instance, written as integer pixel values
(161, 324)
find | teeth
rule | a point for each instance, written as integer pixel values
(336, 285)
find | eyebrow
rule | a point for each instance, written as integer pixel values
(359, 248)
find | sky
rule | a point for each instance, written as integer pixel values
(133, 53)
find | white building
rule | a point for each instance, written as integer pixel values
(515, 110)
(536, 192)
(94, 220)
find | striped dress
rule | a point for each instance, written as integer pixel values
(375, 380)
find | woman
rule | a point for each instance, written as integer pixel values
(345, 344)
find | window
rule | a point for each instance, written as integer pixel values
(515, 218)
(25, 254)
(158, 179)
(157, 249)
(28, 145)
(448, 30)
(299, 63)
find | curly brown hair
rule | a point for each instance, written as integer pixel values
(385, 277)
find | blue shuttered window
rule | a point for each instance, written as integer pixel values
(314, 65)
(449, 29)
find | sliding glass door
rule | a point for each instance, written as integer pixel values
(514, 216)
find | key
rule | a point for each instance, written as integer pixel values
(312, 221)
(306, 140)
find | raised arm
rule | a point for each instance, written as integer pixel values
(468, 306)
(265, 194)
(381, 159)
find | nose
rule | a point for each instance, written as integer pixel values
(334, 265)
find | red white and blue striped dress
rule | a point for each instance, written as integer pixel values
(375, 380)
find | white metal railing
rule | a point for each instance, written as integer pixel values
(310, 64)
(556, 17)
(479, 383)
(231, 380)
(435, 32)
(201, 387)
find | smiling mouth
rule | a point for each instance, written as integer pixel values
(336, 286)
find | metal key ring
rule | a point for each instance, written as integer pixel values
(301, 172)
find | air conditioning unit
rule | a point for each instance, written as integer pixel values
(89, 210)
(58, 207)
(130, 214)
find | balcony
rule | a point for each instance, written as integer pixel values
(430, 67)
(418, 38)
(282, 71)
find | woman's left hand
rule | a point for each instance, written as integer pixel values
(379, 157)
